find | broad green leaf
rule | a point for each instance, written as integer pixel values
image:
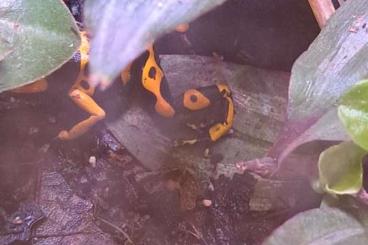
(335, 61)
(330, 226)
(5, 49)
(42, 36)
(353, 113)
(350, 203)
(121, 30)
(5, 38)
(340, 168)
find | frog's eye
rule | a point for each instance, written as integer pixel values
(152, 73)
(195, 100)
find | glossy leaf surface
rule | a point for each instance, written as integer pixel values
(340, 168)
(122, 29)
(41, 35)
(353, 113)
(320, 226)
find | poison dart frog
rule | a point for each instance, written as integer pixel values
(196, 106)
(207, 110)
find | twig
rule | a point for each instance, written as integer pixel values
(62, 234)
(116, 228)
(112, 225)
(197, 234)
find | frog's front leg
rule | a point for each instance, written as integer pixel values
(201, 132)
(198, 128)
(199, 139)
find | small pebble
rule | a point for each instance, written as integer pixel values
(211, 187)
(52, 120)
(92, 160)
(17, 220)
(206, 202)
(44, 148)
(206, 153)
(33, 130)
(83, 180)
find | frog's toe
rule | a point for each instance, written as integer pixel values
(207, 153)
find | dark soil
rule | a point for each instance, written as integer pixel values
(116, 191)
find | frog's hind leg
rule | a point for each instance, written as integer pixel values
(86, 103)
(81, 94)
(82, 97)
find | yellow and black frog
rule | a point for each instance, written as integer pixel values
(198, 107)
(209, 110)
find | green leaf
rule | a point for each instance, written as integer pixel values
(331, 226)
(353, 113)
(121, 30)
(333, 63)
(42, 36)
(340, 168)
(5, 49)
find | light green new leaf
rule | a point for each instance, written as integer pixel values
(331, 226)
(340, 168)
(37, 36)
(353, 113)
(121, 30)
